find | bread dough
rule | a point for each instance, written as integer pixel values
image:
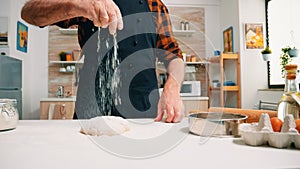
(104, 125)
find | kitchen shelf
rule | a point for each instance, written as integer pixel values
(70, 72)
(197, 63)
(68, 31)
(225, 56)
(231, 88)
(229, 62)
(226, 88)
(66, 62)
(183, 32)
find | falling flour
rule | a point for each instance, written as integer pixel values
(109, 80)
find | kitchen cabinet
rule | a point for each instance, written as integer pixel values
(229, 86)
(194, 104)
(57, 108)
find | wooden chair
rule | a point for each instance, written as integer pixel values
(263, 105)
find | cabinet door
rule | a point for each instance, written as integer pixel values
(195, 105)
(56, 110)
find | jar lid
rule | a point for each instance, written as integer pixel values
(291, 76)
(291, 67)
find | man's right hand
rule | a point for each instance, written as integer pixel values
(105, 13)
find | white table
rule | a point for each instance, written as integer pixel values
(41, 144)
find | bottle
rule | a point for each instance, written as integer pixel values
(186, 25)
(60, 91)
(287, 103)
(182, 23)
(68, 56)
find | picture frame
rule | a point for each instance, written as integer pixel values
(254, 36)
(3, 30)
(22, 37)
(228, 40)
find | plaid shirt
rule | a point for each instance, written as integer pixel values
(165, 37)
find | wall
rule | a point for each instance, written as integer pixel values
(230, 17)
(253, 68)
(212, 20)
(59, 42)
(35, 62)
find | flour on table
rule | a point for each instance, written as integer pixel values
(104, 125)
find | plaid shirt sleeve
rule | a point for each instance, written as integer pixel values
(167, 47)
(70, 22)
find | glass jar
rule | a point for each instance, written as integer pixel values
(9, 115)
(288, 104)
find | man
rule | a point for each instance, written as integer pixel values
(150, 16)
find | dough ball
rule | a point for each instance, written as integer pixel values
(105, 125)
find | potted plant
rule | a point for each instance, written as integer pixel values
(266, 53)
(293, 52)
(62, 55)
(285, 59)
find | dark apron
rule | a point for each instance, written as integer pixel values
(136, 95)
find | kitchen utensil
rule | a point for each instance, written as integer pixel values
(76, 54)
(9, 116)
(62, 69)
(60, 91)
(215, 124)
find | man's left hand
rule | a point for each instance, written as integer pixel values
(170, 102)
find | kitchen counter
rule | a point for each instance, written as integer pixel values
(51, 99)
(51, 144)
(194, 98)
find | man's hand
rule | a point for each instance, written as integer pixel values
(105, 13)
(170, 102)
